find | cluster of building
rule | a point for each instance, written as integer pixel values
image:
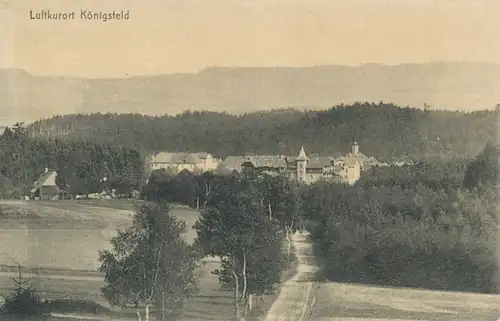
(306, 169)
(344, 168)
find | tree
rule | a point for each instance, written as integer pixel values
(150, 263)
(484, 170)
(238, 230)
(384, 131)
(160, 186)
(23, 303)
(184, 187)
(289, 205)
(284, 203)
(206, 184)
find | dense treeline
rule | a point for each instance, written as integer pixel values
(483, 172)
(81, 165)
(421, 230)
(436, 175)
(401, 226)
(384, 131)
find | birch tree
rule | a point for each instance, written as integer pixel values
(237, 230)
(289, 210)
(150, 265)
(284, 203)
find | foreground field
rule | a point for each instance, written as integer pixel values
(61, 235)
(59, 242)
(66, 234)
(342, 302)
(302, 298)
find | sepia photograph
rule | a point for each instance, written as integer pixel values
(249, 160)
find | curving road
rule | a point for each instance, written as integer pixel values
(294, 299)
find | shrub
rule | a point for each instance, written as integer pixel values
(23, 303)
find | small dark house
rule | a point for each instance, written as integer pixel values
(45, 188)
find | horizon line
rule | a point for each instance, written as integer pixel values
(208, 68)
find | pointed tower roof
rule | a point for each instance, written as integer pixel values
(302, 154)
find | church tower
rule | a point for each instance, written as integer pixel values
(301, 165)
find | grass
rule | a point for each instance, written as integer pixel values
(336, 300)
(58, 241)
(66, 234)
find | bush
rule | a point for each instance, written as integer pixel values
(24, 304)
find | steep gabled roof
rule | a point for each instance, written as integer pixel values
(302, 154)
(42, 179)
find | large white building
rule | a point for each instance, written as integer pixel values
(177, 162)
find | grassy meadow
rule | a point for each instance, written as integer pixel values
(58, 242)
(341, 301)
(60, 235)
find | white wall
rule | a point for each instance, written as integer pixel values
(353, 174)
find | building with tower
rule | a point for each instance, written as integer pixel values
(301, 165)
(306, 169)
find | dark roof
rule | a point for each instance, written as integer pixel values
(267, 161)
(179, 158)
(320, 161)
(317, 162)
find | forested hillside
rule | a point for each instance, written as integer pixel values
(81, 165)
(385, 131)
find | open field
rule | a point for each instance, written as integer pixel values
(66, 234)
(342, 302)
(59, 242)
(62, 235)
(302, 298)
(210, 304)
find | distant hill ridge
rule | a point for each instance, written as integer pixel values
(449, 86)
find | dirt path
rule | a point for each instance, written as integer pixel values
(292, 302)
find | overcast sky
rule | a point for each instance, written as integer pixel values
(166, 36)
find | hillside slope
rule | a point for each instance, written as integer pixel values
(450, 86)
(383, 130)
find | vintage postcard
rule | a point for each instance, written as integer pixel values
(258, 160)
